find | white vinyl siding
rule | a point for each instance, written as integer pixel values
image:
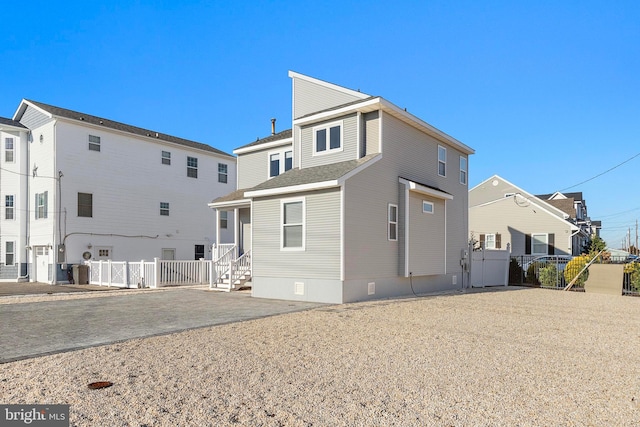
(349, 143)
(311, 97)
(427, 238)
(254, 167)
(372, 132)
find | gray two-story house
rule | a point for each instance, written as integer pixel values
(358, 200)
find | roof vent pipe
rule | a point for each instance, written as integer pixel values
(273, 126)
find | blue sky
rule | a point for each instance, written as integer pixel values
(546, 92)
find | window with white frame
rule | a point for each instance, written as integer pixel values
(539, 244)
(224, 219)
(222, 172)
(288, 160)
(442, 161)
(41, 205)
(8, 150)
(274, 165)
(427, 207)
(392, 219)
(9, 207)
(490, 241)
(166, 157)
(94, 143)
(192, 167)
(85, 205)
(164, 208)
(277, 166)
(463, 170)
(292, 224)
(327, 138)
(9, 253)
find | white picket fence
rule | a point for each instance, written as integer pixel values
(149, 274)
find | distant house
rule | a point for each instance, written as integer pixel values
(502, 213)
(359, 199)
(77, 186)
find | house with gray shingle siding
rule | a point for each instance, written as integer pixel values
(358, 200)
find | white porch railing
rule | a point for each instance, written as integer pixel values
(222, 265)
(240, 267)
(219, 250)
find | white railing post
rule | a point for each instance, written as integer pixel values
(109, 273)
(156, 272)
(142, 274)
(100, 272)
(125, 273)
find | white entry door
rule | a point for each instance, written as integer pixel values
(42, 263)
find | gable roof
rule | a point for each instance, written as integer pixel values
(282, 135)
(10, 122)
(54, 111)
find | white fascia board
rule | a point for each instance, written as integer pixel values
(337, 112)
(414, 186)
(23, 106)
(9, 128)
(293, 189)
(293, 74)
(390, 107)
(230, 204)
(258, 147)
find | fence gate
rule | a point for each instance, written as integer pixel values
(490, 267)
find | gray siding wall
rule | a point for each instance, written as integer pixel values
(310, 97)
(513, 221)
(349, 144)
(253, 167)
(33, 118)
(321, 257)
(426, 236)
(9, 272)
(372, 132)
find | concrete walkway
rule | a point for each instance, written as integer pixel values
(29, 329)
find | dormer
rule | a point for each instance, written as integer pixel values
(264, 158)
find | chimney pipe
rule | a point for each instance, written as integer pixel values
(273, 126)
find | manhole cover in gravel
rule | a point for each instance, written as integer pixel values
(100, 384)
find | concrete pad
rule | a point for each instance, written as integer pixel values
(36, 288)
(605, 279)
(38, 328)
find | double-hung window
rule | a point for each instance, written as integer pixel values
(9, 253)
(463, 170)
(166, 157)
(490, 241)
(292, 231)
(8, 207)
(8, 150)
(539, 244)
(85, 205)
(41, 205)
(277, 166)
(442, 161)
(222, 172)
(94, 143)
(224, 219)
(164, 208)
(392, 218)
(327, 138)
(192, 167)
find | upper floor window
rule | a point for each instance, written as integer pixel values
(8, 207)
(164, 208)
(192, 167)
(94, 143)
(327, 138)
(463, 170)
(277, 166)
(41, 205)
(8, 150)
(222, 173)
(442, 161)
(392, 218)
(166, 157)
(292, 230)
(85, 205)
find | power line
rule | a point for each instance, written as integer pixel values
(600, 174)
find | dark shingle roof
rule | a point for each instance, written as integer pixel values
(280, 135)
(337, 107)
(70, 114)
(4, 121)
(234, 195)
(314, 174)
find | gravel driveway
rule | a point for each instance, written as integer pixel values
(526, 357)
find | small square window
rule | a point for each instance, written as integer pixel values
(166, 158)
(94, 143)
(164, 209)
(427, 207)
(222, 173)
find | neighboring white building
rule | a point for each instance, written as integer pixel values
(76, 186)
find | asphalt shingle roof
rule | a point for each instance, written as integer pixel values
(5, 121)
(70, 114)
(280, 135)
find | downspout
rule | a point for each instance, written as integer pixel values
(53, 222)
(27, 216)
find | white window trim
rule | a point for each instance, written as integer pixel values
(328, 126)
(13, 252)
(11, 208)
(12, 150)
(97, 144)
(486, 240)
(225, 174)
(546, 246)
(465, 170)
(389, 222)
(224, 218)
(166, 160)
(192, 167)
(281, 159)
(442, 161)
(165, 209)
(424, 202)
(304, 223)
